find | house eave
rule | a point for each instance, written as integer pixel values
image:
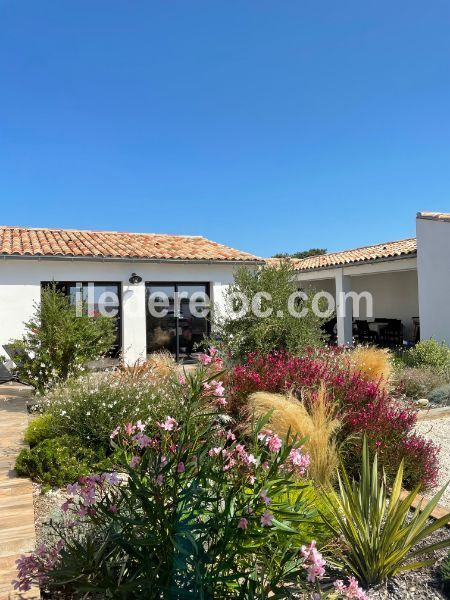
(359, 263)
(129, 259)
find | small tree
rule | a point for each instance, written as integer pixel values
(281, 329)
(57, 342)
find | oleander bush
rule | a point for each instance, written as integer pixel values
(364, 408)
(58, 343)
(190, 511)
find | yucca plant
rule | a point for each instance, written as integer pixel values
(379, 528)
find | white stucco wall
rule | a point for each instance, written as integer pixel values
(433, 257)
(20, 286)
(395, 296)
(393, 285)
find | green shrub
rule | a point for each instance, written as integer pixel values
(92, 406)
(445, 574)
(58, 461)
(58, 342)
(242, 334)
(190, 512)
(379, 533)
(39, 429)
(440, 395)
(429, 353)
(418, 382)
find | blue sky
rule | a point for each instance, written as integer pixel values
(268, 125)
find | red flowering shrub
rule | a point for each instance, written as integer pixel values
(364, 407)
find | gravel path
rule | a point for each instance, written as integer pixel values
(439, 431)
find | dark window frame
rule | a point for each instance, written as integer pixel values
(116, 348)
(176, 284)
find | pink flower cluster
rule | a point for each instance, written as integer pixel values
(211, 358)
(352, 591)
(314, 562)
(35, 566)
(366, 407)
(299, 461)
(216, 391)
(84, 495)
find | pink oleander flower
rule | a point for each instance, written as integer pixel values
(299, 461)
(182, 380)
(205, 359)
(215, 451)
(111, 478)
(142, 440)
(73, 488)
(230, 436)
(352, 591)
(134, 461)
(181, 468)
(130, 428)
(115, 433)
(274, 443)
(169, 424)
(243, 523)
(267, 519)
(314, 562)
(265, 498)
(140, 425)
(212, 351)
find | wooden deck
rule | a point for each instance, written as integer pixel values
(17, 533)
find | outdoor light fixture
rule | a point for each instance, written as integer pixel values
(135, 279)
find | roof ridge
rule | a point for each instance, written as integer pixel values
(24, 227)
(409, 239)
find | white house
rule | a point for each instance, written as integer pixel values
(127, 266)
(408, 280)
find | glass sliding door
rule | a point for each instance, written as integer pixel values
(176, 319)
(98, 298)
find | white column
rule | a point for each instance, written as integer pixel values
(134, 339)
(344, 311)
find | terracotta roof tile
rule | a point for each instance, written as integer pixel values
(434, 216)
(358, 255)
(24, 241)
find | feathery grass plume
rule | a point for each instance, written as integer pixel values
(318, 423)
(159, 364)
(372, 364)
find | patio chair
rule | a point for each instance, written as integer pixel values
(363, 333)
(329, 329)
(392, 335)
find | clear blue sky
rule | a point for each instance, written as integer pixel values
(268, 125)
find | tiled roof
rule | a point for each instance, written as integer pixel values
(387, 250)
(434, 216)
(25, 241)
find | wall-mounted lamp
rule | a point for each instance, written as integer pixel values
(135, 279)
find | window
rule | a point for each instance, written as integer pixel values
(99, 298)
(171, 324)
